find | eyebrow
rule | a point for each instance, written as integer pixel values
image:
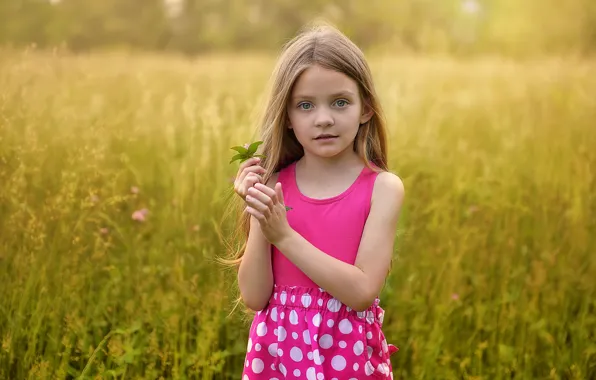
(335, 95)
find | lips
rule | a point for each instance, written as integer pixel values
(324, 137)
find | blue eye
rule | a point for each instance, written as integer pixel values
(341, 103)
(303, 104)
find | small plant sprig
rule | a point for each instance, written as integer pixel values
(247, 152)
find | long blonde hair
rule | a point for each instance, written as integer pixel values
(326, 46)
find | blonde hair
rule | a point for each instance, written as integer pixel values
(326, 46)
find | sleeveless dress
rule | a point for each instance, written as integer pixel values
(304, 332)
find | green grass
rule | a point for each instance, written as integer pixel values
(494, 270)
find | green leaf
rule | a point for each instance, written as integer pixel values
(260, 155)
(240, 149)
(237, 157)
(253, 147)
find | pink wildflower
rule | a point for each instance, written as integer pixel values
(140, 215)
(455, 296)
(134, 190)
(104, 231)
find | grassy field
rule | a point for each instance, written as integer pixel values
(114, 175)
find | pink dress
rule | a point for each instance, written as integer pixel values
(305, 333)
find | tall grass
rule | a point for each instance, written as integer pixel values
(494, 270)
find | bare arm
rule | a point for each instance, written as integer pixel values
(255, 275)
(355, 285)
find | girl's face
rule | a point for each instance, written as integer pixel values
(326, 103)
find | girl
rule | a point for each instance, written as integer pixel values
(313, 272)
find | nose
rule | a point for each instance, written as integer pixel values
(324, 118)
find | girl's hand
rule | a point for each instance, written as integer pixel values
(249, 173)
(267, 206)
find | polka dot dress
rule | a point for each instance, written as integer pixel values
(304, 333)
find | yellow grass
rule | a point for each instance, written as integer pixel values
(494, 270)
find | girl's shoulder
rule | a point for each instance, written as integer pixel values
(388, 185)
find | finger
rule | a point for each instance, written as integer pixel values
(268, 191)
(258, 205)
(256, 169)
(250, 162)
(280, 193)
(261, 197)
(252, 179)
(255, 213)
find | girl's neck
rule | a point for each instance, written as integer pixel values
(319, 167)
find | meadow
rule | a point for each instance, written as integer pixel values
(115, 174)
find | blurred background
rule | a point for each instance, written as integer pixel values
(198, 26)
(116, 122)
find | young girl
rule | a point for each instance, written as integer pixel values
(313, 271)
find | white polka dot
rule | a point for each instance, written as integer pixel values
(386, 369)
(385, 347)
(370, 318)
(258, 347)
(273, 366)
(315, 337)
(306, 300)
(316, 320)
(369, 335)
(360, 329)
(345, 326)
(320, 302)
(310, 374)
(343, 344)
(316, 357)
(275, 295)
(330, 322)
(282, 315)
(249, 347)
(333, 305)
(272, 349)
(326, 341)
(356, 366)
(369, 369)
(245, 377)
(361, 314)
(283, 297)
(369, 351)
(281, 333)
(283, 369)
(338, 363)
(257, 365)
(309, 355)
(293, 317)
(297, 372)
(247, 364)
(280, 352)
(306, 337)
(358, 348)
(274, 314)
(381, 369)
(381, 318)
(293, 298)
(295, 335)
(296, 354)
(320, 376)
(261, 329)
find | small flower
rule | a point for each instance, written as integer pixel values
(140, 215)
(246, 145)
(104, 231)
(134, 190)
(196, 228)
(94, 198)
(455, 296)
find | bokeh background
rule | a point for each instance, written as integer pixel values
(116, 122)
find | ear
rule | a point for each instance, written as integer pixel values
(367, 113)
